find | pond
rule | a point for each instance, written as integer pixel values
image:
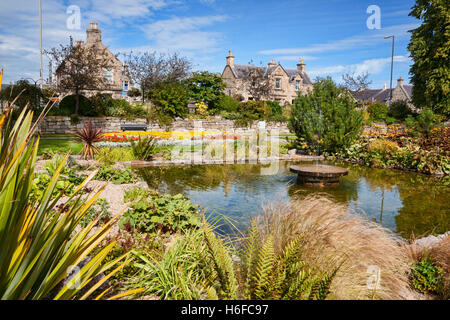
(410, 204)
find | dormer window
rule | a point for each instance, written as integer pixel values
(108, 74)
(278, 83)
(297, 85)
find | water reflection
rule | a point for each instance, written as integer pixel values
(407, 203)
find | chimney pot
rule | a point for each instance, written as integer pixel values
(301, 66)
(230, 59)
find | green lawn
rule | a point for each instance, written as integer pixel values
(73, 146)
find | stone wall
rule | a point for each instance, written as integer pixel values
(62, 125)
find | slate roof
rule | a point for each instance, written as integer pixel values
(241, 70)
(379, 95)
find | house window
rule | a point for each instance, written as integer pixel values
(278, 83)
(108, 73)
(125, 85)
(297, 85)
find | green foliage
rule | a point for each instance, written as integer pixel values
(228, 104)
(179, 273)
(110, 156)
(430, 51)
(250, 111)
(116, 176)
(39, 247)
(387, 154)
(134, 92)
(99, 210)
(378, 111)
(276, 108)
(202, 265)
(29, 95)
(170, 99)
(160, 212)
(74, 119)
(144, 148)
(426, 277)
(208, 87)
(284, 276)
(67, 106)
(400, 110)
(326, 118)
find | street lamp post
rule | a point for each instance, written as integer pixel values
(392, 66)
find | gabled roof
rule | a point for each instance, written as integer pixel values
(371, 95)
(241, 71)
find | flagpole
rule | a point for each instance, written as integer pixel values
(40, 37)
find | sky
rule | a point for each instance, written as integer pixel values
(333, 37)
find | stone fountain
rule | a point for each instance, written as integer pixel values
(318, 174)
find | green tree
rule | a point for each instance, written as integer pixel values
(430, 50)
(29, 94)
(170, 99)
(326, 118)
(208, 87)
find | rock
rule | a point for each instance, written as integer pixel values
(431, 240)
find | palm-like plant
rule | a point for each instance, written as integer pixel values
(89, 135)
(144, 148)
(38, 248)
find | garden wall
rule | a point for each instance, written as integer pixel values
(62, 125)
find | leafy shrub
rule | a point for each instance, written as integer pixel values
(161, 212)
(228, 104)
(400, 110)
(207, 87)
(74, 119)
(382, 147)
(170, 99)
(116, 176)
(326, 118)
(102, 103)
(276, 108)
(67, 106)
(378, 112)
(41, 182)
(426, 277)
(144, 148)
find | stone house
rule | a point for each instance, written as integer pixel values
(401, 92)
(285, 84)
(117, 80)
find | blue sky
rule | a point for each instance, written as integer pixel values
(330, 35)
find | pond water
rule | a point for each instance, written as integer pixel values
(407, 203)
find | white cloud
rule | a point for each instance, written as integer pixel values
(184, 33)
(364, 40)
(372, 66)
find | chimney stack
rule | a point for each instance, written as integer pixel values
(400, 82)
(230, 59)
(94, 35)
(271, 63)
(301, 66)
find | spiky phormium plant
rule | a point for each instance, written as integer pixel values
(89, 135)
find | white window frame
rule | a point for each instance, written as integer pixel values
(108, 73)
(278, 83)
